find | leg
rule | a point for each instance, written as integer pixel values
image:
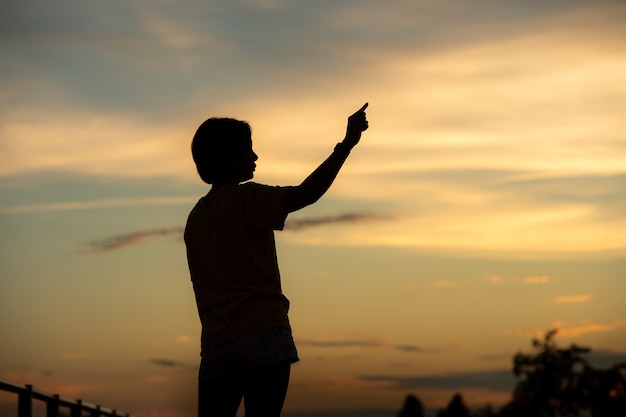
(219, 397)
(266, 389)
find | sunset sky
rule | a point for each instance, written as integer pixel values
(484, 205)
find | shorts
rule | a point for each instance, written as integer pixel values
(249, 352)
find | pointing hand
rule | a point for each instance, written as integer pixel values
(357, 123)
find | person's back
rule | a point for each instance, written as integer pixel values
(232, 260)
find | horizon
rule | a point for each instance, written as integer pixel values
(599, 361)
(483, 206)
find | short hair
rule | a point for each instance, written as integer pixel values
(216, 142)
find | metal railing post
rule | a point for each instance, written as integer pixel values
(52, 406)
(25, 402)
(77, 409)
(96, 412)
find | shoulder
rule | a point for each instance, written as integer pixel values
(264, 205)
(254, 189)
(256, 186)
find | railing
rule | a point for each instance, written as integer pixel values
(54, 403)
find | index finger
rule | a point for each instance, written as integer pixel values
(362, 109)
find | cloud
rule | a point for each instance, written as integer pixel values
(493, 279)
(167, 27)
(575, 331)
(334, 341)
(96, 204)
(514, 172)
(469, 214)
(49, 382)
(361, 341)
(132, 239)
(571, 299)
(416, 349)
(604, 358)
(357, 382)
(106, 145)
(157, 379)
(572, 331)
(434, 57)
(536, 280)
(168, 363)
(135, 238)
(298, 224)
(530, 280)
(495, 380)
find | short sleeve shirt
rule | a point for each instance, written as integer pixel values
(232, 260)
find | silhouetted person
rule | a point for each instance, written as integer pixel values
(413, 407)
(246, 345)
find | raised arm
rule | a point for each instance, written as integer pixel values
(320, 180)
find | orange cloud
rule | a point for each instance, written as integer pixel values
(570, 299)
(494, 279)
(156, 379)
(575, 331)
(72, 390)
(497, 279)
(570, 332)
(536, 280)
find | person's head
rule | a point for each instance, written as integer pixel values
(222, 151)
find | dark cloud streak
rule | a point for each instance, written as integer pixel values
(136, 238)
(340, 343)
(501, 380)
(168, 363)
(131, 239)
(346, 218)
(495, 380)
(416, 349)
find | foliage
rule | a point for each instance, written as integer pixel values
(555, 382)
(413, 407)
(456, 408)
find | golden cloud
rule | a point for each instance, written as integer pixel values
(536, 280)
(574, 331)
(571, 299)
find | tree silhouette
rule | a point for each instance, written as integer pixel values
(556, 382)
(486, 411)
(456, 408)
(551, 378)
(413, 407)
(553, 382)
